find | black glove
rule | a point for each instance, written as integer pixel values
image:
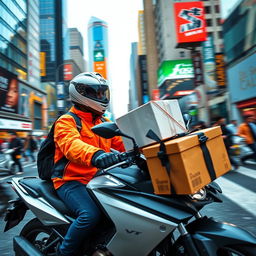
(102, 159)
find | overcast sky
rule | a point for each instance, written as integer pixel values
(122, 19)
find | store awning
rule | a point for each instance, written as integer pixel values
(246, 103)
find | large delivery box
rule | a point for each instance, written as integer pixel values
(164, 117)
(186, 164)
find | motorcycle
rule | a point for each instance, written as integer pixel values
(137, 221)
(6, 161)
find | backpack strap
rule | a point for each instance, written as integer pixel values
(77, 120)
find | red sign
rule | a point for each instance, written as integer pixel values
(68, 74)
(190, 22)
(155, 94)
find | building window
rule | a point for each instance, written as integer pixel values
(207, 9)
(220, 34)
(217, 8)
(209, 22)
(182, 54)
(219, 21)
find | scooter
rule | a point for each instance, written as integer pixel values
(137, 221)
(6, 161)
(239, 148)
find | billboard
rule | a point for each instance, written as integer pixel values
(198, 67)
(68, 72)
(220, 70)
(190, 22)
(175, 69)
(209, 66)
(9, 92)
(100, 67)
(42, 63)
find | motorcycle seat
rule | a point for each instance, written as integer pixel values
(42, 188)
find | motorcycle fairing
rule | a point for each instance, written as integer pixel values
(135, 225)
(210, 235)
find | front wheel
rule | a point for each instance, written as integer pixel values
(41, 236)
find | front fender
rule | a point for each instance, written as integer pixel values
(210, 235)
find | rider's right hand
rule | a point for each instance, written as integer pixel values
(102, 159)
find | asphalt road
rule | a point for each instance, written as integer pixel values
(238, 207)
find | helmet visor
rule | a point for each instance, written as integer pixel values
(98, 93)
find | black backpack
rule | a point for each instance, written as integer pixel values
(45, 157)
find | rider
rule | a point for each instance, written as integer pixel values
(84, 152)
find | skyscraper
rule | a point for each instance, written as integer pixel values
(98, 46)
(54, 41)
(22, 102)
(76, 48)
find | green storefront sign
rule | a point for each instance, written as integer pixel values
(98, 55)
(175, 69)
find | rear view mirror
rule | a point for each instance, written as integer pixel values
(107, 130)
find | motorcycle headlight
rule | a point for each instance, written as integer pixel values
(200, 195)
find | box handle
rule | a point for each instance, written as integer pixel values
(162, 154)
(207, 157)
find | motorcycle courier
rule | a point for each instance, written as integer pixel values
(137, 221)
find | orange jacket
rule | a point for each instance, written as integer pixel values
(78, 148)
(245, 132)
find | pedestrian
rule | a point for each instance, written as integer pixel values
(30, 146)
(232, 126)
(247, 130)
(84, 152)
(16, 145)
(226, 135)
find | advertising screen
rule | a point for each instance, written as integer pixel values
(68, 72)
(175, 69)
(9, 92)
(190, 22)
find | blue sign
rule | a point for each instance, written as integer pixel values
(242, 79)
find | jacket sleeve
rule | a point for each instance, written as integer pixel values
(117, 144)
(70, 143)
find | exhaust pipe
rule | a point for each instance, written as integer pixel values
(23, 247)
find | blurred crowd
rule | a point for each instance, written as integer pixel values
(240, 140)
(22, 148)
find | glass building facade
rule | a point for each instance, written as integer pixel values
(33, 43)
(240, 31)
(13, 37)
(54, 42)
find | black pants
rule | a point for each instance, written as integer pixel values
(253, 155)
(17, 162)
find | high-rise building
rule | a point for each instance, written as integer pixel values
(98, 46)
(240, 51)
(76, 48)
(98, 51)
(22, 102)
(133, 84)
(54, 41)
(151, 46)
(34, 43)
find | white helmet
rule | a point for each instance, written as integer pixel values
(90, 90)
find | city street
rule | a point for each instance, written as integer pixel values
(239, 206)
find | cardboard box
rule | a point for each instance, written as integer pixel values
(189, 170)
(164, 117)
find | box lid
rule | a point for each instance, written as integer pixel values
(183, 143)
